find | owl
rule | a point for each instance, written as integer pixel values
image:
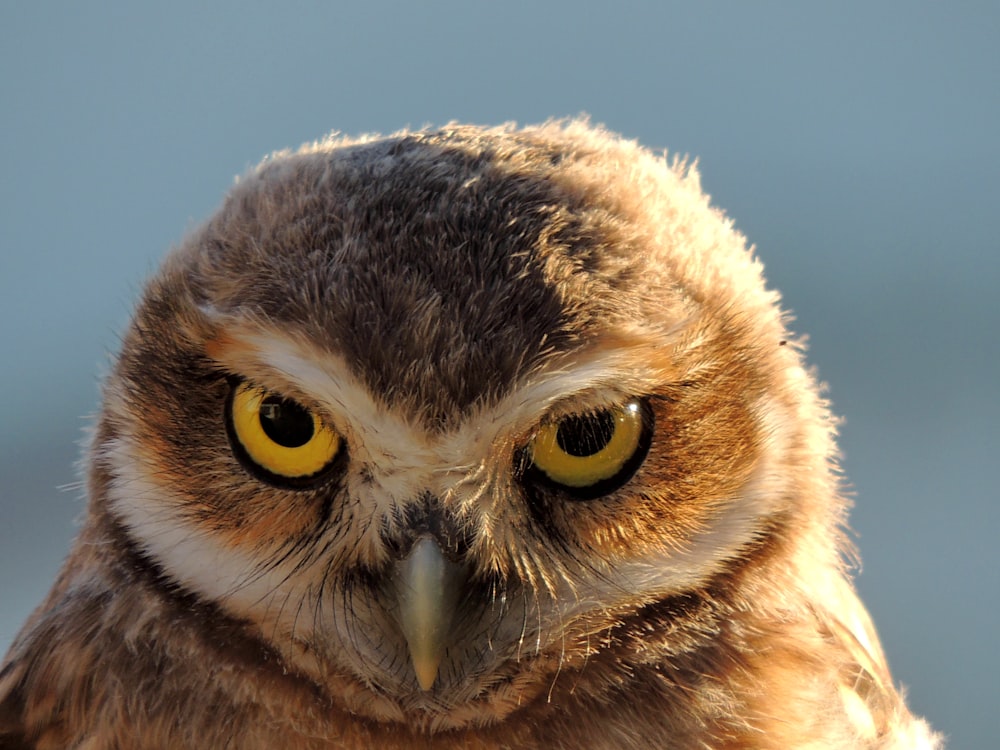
(459, 438)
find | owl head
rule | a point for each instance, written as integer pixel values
(494, 435)
(435, 414)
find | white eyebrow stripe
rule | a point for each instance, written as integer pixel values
(398, 444)
(587, 379)
(330, 381)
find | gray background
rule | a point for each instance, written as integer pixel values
(854, 143)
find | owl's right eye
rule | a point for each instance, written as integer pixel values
(279, 437)
(593, 454)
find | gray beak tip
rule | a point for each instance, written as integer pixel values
(427, 590)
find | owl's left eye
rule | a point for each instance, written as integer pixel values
(278, 437)
(593, 454)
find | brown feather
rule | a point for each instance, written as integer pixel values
(435, 298)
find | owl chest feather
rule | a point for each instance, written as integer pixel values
(140, 669)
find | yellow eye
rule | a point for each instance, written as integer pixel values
(279, 436)
(593, 454)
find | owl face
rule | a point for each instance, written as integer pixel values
(437, 416)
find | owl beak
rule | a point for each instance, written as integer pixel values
(427, 587)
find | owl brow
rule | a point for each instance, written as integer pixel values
(578, 404)
(284, 388)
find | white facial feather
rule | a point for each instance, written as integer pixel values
(407, 461)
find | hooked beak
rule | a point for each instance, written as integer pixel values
(427, 586)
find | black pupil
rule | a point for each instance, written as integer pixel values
(285, 422)
(586, 435)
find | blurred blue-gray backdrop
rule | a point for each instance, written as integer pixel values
(856, 144)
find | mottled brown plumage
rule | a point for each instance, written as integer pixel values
(382, 550)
